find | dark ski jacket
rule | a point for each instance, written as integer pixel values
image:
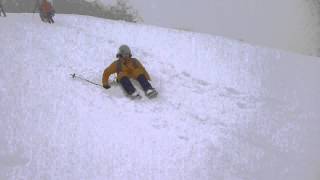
(46, 7)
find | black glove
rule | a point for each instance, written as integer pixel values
(106, 86)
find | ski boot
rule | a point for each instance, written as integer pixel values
(151, 93)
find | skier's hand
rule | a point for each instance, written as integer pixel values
(106, 86)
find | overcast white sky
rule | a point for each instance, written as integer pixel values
(285, 24)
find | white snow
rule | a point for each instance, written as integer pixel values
(226, 110)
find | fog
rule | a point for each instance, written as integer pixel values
(287, 24)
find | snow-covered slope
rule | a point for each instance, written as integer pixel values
(226, 110)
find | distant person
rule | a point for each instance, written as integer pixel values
(127, 67)
(2, 10)
(46, 11)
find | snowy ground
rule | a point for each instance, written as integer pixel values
(226, 110)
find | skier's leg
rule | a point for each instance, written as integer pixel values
(48, 18)
(51, 16)
(144, 82)
(42, 17)
(149, 91)
(51, 19)
(4, 13)
(127, 85)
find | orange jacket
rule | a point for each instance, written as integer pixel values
(131, 68)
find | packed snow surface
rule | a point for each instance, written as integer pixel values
(225, 110)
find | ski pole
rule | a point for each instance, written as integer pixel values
(84, 79)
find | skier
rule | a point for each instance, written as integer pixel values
(2, 10)
(46, 11)
(128, 67)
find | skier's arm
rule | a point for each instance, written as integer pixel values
(107, 72)
(144, 70)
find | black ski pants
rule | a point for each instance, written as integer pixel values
(128, 86)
